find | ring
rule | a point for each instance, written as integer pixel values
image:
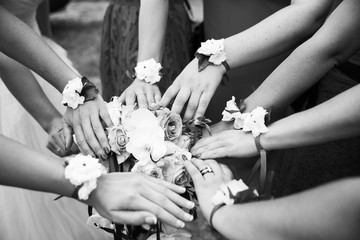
(59, 149)
(206, 170)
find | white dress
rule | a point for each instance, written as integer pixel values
(26, 214)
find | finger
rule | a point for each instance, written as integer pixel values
(204, 143)
(130, 98)
(180, 100)
(54, 149)
(167, 199)
(80, 139)
(214, 166)
(170, 94)
(202, 105)
(157, 95)
(158, 211)
(105, 116)
(150, 95)
(122, 97)
(68, 132)
(90, 137)
(194, 173)
(192, 105)
(141, 100)
(215, 153)
(100, 135)
(171, 186)
(176, 198)
(133, 217)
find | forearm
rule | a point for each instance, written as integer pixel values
(25, 46)
(335, 119)
(279, 32)
(23, 167)
(327, 212)
(22, 84)
(336, 41)
(152, 27)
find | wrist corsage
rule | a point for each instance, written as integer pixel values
(78, 91)
(211, 52)
(253, 122)
(234, 192)
(83, 172)
(149, 71)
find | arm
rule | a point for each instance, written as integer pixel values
(327, 212)
(139, 200)
(335, 41)
(305, 128)
(279, 32)
(152, 28)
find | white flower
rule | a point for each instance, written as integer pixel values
(147, 143)
(117, 141)
(174, 170)
(218, 58)
(211, 46)
(255, 122)
(140, 118)
(223, 195)
(171, 122)
(98, 221)
(71, 93)
(114, 109)
(231, 111)
(149, 71)
(84, 170)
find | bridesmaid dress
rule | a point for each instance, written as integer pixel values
(26, 214)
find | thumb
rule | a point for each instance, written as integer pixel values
(68, 134)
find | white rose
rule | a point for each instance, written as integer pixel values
(149, 71)
(140, 118)
(114, 109)
(255, 122)
(149, 168)
(71, 93)
(211, 46)
(218, 58)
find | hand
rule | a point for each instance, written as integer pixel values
(144, 92)
(85, 122)
(56, 139)
(230, 143)
(207, 185)
(194, 87)
(133, 198)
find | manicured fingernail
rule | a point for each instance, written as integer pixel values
(198, 156)
(146, 226)
(107, 150)
(191, 205)
(180, 224)
(188, 217)
(151, 220)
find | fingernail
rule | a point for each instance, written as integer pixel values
(107, 150)
(182, 189)
(191, 205)
(184, 157)
(104, 157)
(188, 217)
(146, 226)
(151, 220)
(180, 224)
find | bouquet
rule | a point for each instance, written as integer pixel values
(155, 142)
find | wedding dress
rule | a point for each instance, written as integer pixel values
(26, 214)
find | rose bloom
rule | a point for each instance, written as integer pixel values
(171, 122)
(149, 71)
(174, 171)
(71, 93)
(255, 122)
(149, 168)
(117, 141)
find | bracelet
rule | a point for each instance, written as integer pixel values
(149, 71)
(77, 91)
(212, 52)
(83, 172)
(214, 210)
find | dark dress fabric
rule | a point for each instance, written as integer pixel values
(226, 18)
(308, 167)
(119, 45)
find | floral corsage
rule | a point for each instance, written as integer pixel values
(78, 91)
(211, 52)
(83, 172)
(253, 122)
(149, 71)
(234, 192)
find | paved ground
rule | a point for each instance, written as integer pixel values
(77, 28)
